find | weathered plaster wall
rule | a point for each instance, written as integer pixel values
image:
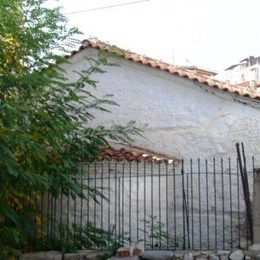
(178, 117)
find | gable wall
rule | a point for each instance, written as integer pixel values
(178, 117)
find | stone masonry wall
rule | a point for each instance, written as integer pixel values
(179, 117)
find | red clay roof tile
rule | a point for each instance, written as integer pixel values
(175, 70)
(133, 153)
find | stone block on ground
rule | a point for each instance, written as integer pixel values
(223, 252)
(132, 257)
(237, 255)
(50, 255)
(209, 255)
(201, 257)
(178, 256)
(188, 256)
(85, 254)
(213, 257)
(158, 255)
(138, 251)
(124, 252)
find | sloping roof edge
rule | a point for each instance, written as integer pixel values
(130, 153)
(174, 70)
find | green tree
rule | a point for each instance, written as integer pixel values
(44, 118)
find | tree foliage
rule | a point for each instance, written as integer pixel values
(44, 118)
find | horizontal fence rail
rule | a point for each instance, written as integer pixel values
(197, 205)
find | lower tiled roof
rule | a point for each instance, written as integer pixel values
(192, 75)
(134, 154)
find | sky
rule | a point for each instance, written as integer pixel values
(212, 34)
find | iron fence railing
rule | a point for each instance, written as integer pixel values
(196, 205)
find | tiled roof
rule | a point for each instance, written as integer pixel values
(134, 154)
(192, 75)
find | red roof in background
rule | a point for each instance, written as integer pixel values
(192, 75)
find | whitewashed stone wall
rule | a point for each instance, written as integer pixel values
(182, 119)
(178, 117)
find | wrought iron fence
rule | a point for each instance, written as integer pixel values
(196, 205)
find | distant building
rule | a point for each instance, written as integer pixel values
(200, 70)
(245, 73)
